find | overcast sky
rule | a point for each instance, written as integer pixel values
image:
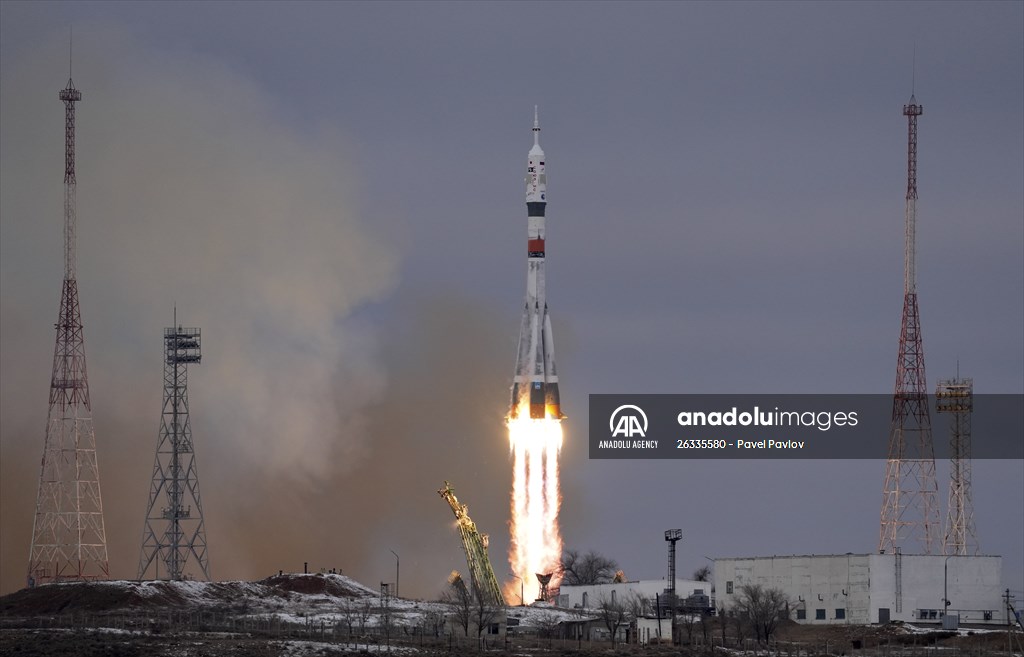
(333, 193)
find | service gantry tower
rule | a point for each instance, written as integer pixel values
(69, 541)
(910, 511)
(481, 574)
(174, 530)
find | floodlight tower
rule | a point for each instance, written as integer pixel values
(174, 532)
(956, 396)
(69, 541)
(672, 536)
(910, 511)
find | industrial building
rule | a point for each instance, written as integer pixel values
(871, 588)
(592, 596)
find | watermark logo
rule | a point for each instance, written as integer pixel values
(628, 421)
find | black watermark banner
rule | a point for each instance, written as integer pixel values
(801, 426)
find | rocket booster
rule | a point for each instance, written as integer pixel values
(536, 381)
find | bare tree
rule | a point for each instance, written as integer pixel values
(722, 619)
(363, 614)
(637, 605)
(762, 608)
(702, 574)
(613, 614)
(740, 620)
(590, 568)
(484, 614)
(460, 601)
(346, 612)
(547, 626)
(705, 623)
(434, 622)
(687, 620)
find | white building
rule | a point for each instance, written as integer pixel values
(591, 596)
(653, 630)
(871, 588)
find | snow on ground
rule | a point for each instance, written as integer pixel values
(311, 648)
(533, 616)
(303, 600)
(963, 631)
(118, 630)
(367, 612)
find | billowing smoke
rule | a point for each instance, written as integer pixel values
(320, 436)
(191, 191)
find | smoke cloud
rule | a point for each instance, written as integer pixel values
(441, 418)
(322, 435)
(191, 191)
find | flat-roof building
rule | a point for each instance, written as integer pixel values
(871, 588)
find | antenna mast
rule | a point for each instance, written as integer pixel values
(910, 511)
(68, 536)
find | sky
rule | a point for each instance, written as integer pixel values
(333, 193)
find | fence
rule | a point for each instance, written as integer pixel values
(431, 639)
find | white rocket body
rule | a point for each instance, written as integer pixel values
(536, 380)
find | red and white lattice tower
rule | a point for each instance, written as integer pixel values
(68, 538)
(910, 510)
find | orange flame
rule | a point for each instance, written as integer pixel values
(536, 546)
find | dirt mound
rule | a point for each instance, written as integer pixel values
(102, 597)
(89, 597)
(337, 586)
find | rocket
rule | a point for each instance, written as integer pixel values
(536, 381)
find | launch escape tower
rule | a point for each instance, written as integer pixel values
(910, 512)
(174, 529)
(68, 537)
(956, 397)
(481, 575)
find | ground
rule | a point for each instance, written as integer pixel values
(325, 614)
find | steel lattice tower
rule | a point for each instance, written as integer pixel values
(481, 574)
(956, 396)
(910, 511)
(68, 538)
(174, 530)
(673, 536)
